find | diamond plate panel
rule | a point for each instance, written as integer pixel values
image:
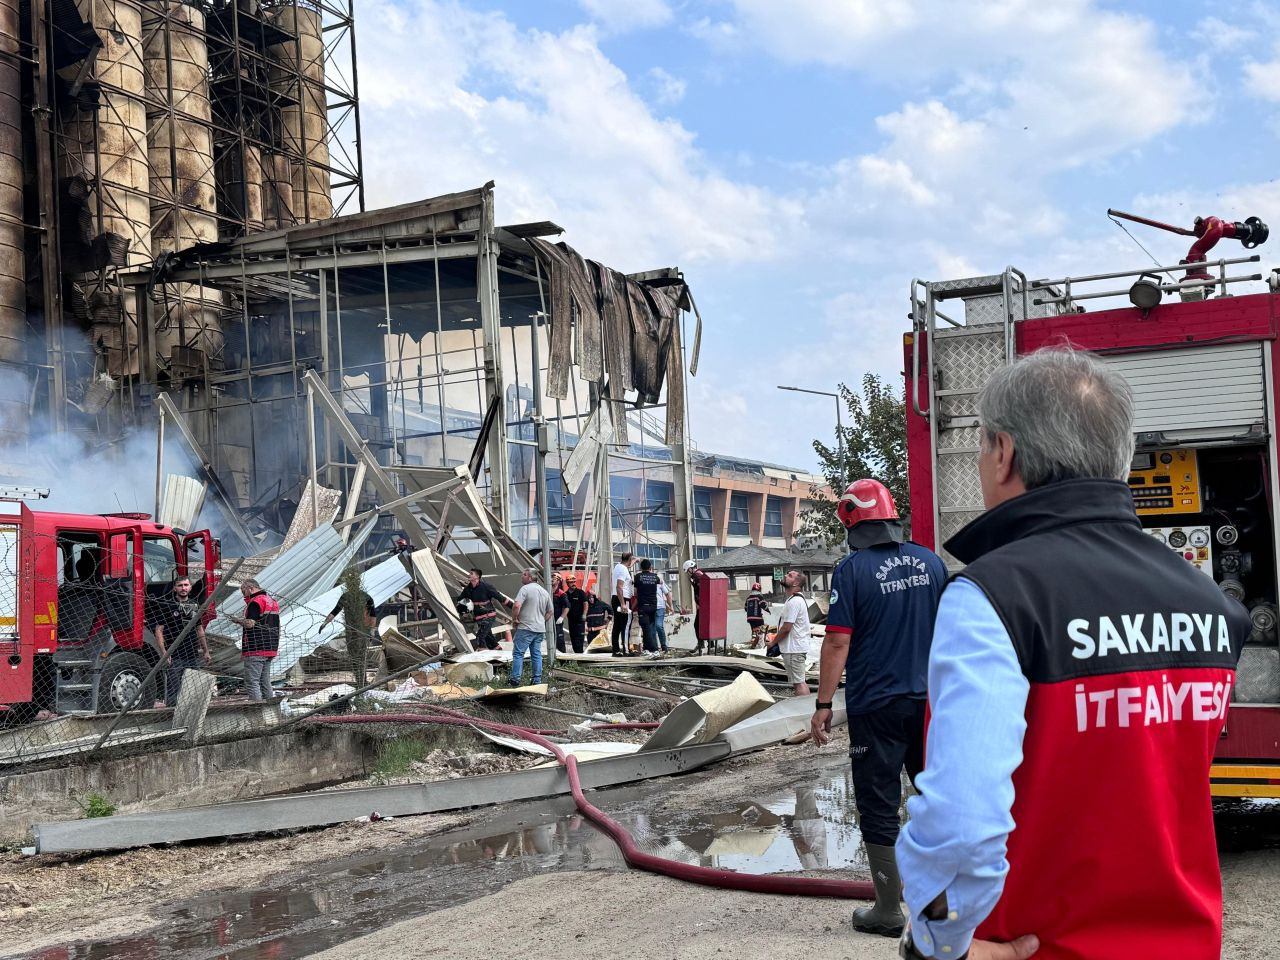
(981, 311)
(960, 437)
(958, 481)
(953, 523)
(965, 362)
(964, 405)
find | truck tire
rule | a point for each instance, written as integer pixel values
(18, 714)
(121, 680)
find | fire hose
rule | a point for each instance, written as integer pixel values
(634, 856)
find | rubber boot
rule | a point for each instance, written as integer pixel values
(884, 916)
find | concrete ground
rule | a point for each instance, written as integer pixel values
(635, 916)
(623, 916)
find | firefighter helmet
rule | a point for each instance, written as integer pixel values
(688, 565)
(866, 500)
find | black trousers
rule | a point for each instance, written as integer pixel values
(881, 743)
(621, 621)
(578, 635)
(484, 636)
(649, 628)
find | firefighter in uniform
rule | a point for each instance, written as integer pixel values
(884, 596)
(1079, 681)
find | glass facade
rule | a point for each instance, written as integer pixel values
(658, 495)
(773, 517)
(739, 515)
(702, 510)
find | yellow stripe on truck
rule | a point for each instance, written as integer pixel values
(1244, 780)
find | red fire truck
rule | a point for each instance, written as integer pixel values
(73, 596)
(1204, 366)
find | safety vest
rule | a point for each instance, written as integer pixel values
(1130, 653)
(262, 639)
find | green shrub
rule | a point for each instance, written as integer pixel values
(96, 805)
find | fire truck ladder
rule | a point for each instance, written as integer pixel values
(959, 358)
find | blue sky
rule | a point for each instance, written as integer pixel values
(801, 161)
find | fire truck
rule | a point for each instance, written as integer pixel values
(74, 590)
(1204, 366)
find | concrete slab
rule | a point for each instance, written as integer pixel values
(193, 703)
(327, 807)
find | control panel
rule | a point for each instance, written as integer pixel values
(1193, 543)
(1165, 481)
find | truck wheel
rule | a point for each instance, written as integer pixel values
(18, 714)
(121, 681)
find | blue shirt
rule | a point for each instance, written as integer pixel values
(955, 840)
(885, 598)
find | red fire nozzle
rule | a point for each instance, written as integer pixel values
(1207, 231)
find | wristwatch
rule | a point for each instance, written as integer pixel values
(907, 947)
(822, 705)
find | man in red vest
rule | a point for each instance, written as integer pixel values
(261, 640)
(1079, 679)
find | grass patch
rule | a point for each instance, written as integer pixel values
(397, 757)
(96, 805)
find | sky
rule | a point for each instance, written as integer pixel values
(802, 161)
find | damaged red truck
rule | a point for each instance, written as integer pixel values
(73, 599)
(1205, 371)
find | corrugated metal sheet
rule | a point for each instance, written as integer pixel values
(382, 582)
(183, 498)
(291, 578)
(1199, 389)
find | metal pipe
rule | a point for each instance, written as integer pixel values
(1165, 288)
(311, 453)
(1176, 268)
(540, 478)
(159, 466)
(1146, 221)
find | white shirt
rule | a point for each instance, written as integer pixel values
(622, 572)
(664, 592)
(796, 613)
(534, 603)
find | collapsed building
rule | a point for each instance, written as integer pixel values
(183, 237)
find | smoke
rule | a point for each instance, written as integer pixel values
(84, 471)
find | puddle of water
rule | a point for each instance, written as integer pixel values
(809, 826)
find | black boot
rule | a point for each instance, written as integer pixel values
(884, 916)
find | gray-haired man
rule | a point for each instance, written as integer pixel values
(1079, 677)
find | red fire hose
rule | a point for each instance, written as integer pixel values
(635, 857)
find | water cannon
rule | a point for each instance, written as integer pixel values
(1207, 231)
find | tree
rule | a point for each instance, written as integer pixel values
(874, 438)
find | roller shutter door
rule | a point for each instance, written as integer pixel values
(1199, 392)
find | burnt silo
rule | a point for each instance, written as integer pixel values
(180, 150)
(14, 378)
(105, 143)
(298, 79)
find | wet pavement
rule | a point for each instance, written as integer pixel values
(806, 827)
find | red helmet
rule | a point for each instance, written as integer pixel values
(866, 500)
(755, 586)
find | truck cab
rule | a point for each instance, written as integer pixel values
(1202, 364)
(81, 588)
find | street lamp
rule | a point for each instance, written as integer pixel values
(839, 427)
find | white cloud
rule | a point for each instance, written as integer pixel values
(1223, 36)
(668, 88)
(449, 100)
(806, 284)
(1082, 81)
(1263, 80)
(619, 16)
